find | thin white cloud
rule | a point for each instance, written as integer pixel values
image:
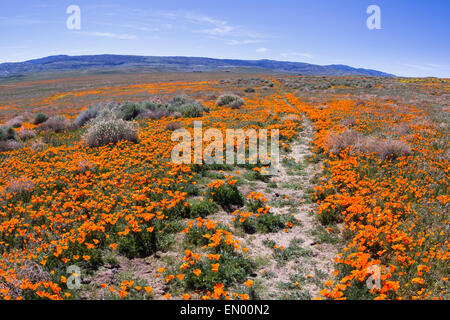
(21, 21)
(420, 67)
(208, 25)
(261, 50)
(235, 42)
(110, 35)
(291, 55)
(219, 31)
(129, 26)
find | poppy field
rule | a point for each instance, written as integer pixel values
(359, 208)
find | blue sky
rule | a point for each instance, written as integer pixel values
(413, 39)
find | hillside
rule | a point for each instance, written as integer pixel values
(126, 63)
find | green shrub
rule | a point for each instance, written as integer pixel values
(186, 107)
(203, 208)
(226, 196)
(143, 243)
(191, 110)
(254, 204)
(130, 110)
(7, 133)
(234, 268)
(195, 237)
(40, 118)
(138, 244)
(264, 223)
(230, 100)
(331, 215)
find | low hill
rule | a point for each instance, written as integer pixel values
(126, 63)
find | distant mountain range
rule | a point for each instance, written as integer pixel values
(125, 63)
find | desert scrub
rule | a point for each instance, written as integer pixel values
(111, 131)
(227, 195)
(230, 100)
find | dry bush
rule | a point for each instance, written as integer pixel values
(391, 149)
(154, 115)
(25, 134)
(110, 131)
(8, 145)
(29, 270)
(15, 122)
(237, 104)
(172, 126)
(18, 120)
(401, 129)
(38, 145)
(176, 115)
(348, 122)
(20, 185)
(337, 142)
(292, 117)
(85, 165)
(56, 124)
(385, 149)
